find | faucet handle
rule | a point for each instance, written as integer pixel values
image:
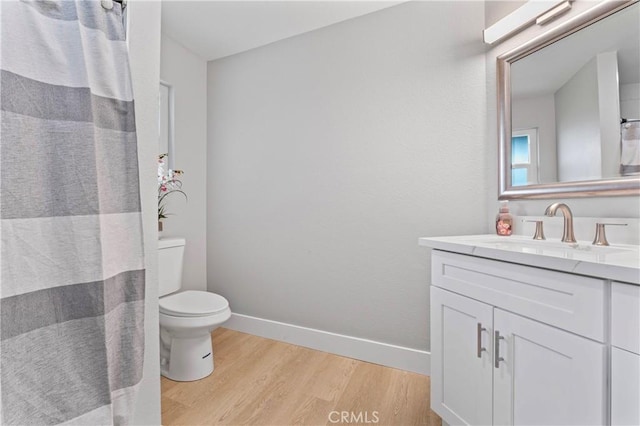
(539, 234)
(601, 238)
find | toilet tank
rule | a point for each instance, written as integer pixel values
(170, 255)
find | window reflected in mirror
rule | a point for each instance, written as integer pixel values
(524, 158)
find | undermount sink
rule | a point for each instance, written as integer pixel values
(523, 244)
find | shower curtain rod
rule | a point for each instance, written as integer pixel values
(629, 120)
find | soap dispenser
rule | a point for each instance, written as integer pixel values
(504, 220)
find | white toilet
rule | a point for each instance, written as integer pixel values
(186, 318)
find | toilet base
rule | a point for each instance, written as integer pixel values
(188, 359)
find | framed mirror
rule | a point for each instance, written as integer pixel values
(166, 122)
(569, 108)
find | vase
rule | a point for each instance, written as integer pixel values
(159, 226)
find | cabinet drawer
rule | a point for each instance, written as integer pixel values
(625, 316)
(571, 302)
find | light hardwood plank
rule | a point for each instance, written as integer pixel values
(331, 378)
(275, 401)
(308, 411)
(258, 381)
(172, 411)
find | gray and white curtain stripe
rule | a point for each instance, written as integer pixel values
(72, 276)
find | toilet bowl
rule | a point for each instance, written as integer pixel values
(187, 319)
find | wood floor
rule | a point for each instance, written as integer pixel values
(258, 381)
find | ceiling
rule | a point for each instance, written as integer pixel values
(214, 29)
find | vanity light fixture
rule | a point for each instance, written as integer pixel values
(518, 20)
(553, 13)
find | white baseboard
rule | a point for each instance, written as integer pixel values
(352, 347)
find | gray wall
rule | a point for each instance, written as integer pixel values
(578, 126)
(144, 52)
(188, 74)
(494, 10)
(539, 112)
(587, 207)
(630, 100)
(331, 152)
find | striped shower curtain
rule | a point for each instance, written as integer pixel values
(72, 274)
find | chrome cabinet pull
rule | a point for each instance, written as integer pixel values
(496, 341)
(480, 349)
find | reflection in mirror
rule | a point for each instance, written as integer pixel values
(575, 107)
(524, 157)
(576, 91)
(166, 123)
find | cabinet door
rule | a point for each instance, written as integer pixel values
(625, 317)
(547, 376)
(625, 387)
(460, 358)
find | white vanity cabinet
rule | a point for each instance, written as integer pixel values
(625, 354)
(461, 358)
(546, 376)
(513, 344)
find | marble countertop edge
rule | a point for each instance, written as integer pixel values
(622, 264)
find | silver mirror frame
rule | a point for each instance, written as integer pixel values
(591, 188)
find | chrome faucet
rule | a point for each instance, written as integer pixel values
(567, 233)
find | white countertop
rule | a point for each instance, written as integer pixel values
(619, 262)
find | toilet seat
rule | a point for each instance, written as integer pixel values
(192, 303)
